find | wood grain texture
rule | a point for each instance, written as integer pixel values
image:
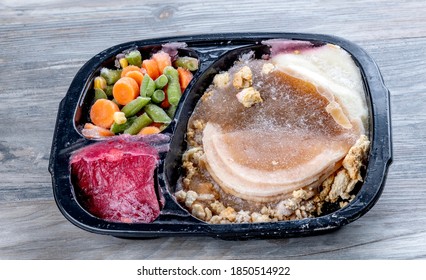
(44, 43)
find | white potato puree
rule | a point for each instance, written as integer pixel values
(334, 73)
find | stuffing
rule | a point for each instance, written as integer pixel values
(221, 80)
(198, 211)
(191, 196)
(355, 158)
(243, 78)
(249, 96)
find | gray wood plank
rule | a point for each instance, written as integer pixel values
(38, 231)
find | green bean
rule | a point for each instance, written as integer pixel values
(173, 89)
(157, 114)
(116, 102)
(118, 128)
(163, 126)
(147, 86)
(151, 87)
(134, 106)
(134, 58)
(100, 94)
(171, 111)
(111, 76)
(187, 62)
(139, 123)
(108, 90)
(158, 96)
(161, 81)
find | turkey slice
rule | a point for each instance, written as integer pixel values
(247, 166)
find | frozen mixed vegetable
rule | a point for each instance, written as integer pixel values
(140, 95)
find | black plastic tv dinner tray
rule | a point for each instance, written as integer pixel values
(216, 52)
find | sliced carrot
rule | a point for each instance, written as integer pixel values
(151, 68)
(102, 112)
(163, 59)
(185, 76)
(135, 75)
(125, 90)
(149, 130)
(165, 104)
(92, 131)
(157, 124)
(129, 68)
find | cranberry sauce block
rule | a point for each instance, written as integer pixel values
(114, 179)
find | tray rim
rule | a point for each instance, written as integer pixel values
(380, 117)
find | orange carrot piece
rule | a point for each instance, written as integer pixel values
(151, 68)
(157, 124)
(185, 76)
(125, 90)
(92, 131)
(102, 113)
(135, 75)
(165, 104)
(129, 68)
(163, 60)
(149, 130)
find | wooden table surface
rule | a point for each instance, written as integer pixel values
(44, 43)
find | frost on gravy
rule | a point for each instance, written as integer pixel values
(268, 139)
